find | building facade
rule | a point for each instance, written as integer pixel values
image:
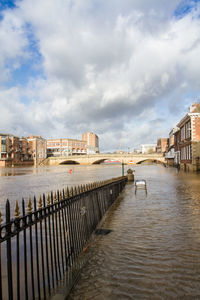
(162, 145)
(171, 155)
(37, 147)
(92, 142)
(148, 148)
(184, 141)
(65, 147)
(14, 150)
(189, 139)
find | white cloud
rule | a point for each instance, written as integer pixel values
(108, 66)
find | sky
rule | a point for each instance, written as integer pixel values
(126, 70)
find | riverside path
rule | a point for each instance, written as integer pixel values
(153, 249)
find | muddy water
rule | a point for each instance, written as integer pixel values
(16, 183)
(153, 251)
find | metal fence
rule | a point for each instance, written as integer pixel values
(42, 242)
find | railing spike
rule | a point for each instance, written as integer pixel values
(17, 212)
(51, 197)
(75, 191)
(1, 219)
(81, 188)
(58, 195)
(44, 200)
(48, 200)
(34, 203)
(67, 192)
(40, 202)
(78, 190)
(30, 208)
(55, 197)
(23, 206)
(7, 211)
(61, 196)
(71, 191)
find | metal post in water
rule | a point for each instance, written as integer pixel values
(122, 168)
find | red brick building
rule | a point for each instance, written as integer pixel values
(92, 142)
(65, 147)
(162, 145)
(14, 150)
(188, 139)
(37, 148)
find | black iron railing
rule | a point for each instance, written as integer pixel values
(42, 242)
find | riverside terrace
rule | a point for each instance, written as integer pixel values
(99, 158)
(42, 242)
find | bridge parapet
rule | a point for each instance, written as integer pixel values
(99, 158)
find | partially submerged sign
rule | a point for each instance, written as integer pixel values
(140, 184)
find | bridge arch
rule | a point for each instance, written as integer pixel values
(156, 161)
(99, 161)
(113, 160)
(69, 162)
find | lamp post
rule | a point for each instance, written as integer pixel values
(122, 168)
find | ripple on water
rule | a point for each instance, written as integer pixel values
(153, 251)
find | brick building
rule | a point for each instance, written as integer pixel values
(162, 145)
(65, 147)
(37, 148)
(171, 154)
(188, 139)
(92, 142)
(13, 150)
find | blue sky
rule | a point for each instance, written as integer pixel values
(4, 4)
(185, 7)
(112, 67)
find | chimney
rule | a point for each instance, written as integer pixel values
(193, 107)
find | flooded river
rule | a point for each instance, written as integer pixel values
(16, 183)
(153, 249)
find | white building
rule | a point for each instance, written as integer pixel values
(148, 148)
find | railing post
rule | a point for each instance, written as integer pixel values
(54, 232)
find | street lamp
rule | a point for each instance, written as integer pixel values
(122, 168)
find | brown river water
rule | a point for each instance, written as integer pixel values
(153, 249)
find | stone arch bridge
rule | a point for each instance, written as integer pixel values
(100, 158)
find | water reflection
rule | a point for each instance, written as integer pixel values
(153, 249)
(16, 183)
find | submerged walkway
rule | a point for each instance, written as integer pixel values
(153, 249)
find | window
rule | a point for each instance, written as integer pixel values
(3, 146)
(188, 130)
(186, 153)
(182, 153)
(183, 133)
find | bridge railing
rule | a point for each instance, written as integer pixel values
(40, 244)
